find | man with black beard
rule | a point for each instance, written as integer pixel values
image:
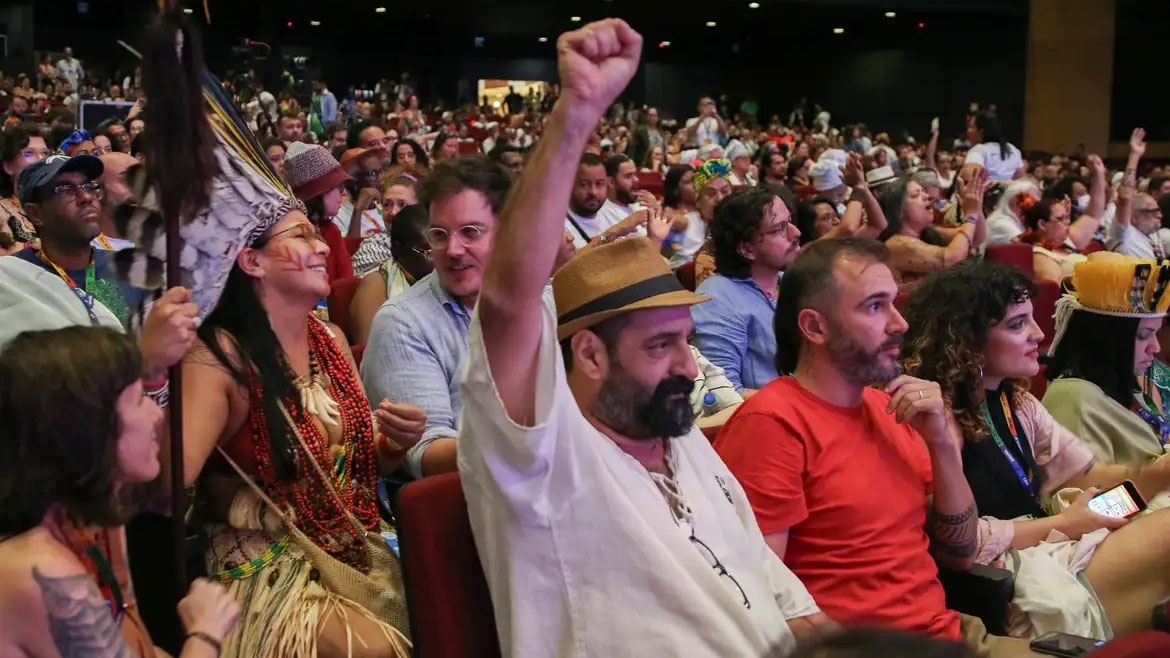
(591, 211)
(605, 523)
(860, 490)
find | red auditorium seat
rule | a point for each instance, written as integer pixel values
(804, 192)
(450, 605)
(468, 148)
(651, 181)
(712, 432)
(1016, 254)
(352, 244)
(340, 296)
(1043, 307)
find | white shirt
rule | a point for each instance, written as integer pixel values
(1125, 239)
(609, 214)
(371, 219)
(707, 132)
(998, 168)
(581, 551)
(694, 237)
(1002, 227)
(70, 69)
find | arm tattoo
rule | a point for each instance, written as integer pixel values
(954, 537)
(79, 618)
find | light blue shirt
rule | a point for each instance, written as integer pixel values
(734, 330)
(328, 108)
(415, 354)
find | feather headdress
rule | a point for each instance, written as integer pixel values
(1112, 284)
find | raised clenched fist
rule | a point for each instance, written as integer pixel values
(596, 63)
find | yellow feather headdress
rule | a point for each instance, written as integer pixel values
(1113, 284)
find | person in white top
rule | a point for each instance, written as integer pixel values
(1002, 160)
(712, 184)
(590, 211)
(599, 534)
(740, 158)
(708, 127)
(69, 69)
(1136, 229)
(624, 192)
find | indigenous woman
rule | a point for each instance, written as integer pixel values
(972, 331)
(67, 488)
(1106, 336)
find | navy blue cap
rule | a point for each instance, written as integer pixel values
(39, 174)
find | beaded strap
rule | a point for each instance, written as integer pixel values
(250, 568)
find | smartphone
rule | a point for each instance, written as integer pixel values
(1063, 644)
(934, 124)
(1122, 501)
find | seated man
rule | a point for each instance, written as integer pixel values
(712, 185)
(754, 239)
(63, 199)
(418, 340)
(591, 212)
(856, 488)
(605, 523)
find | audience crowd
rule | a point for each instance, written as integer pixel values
(718, 385)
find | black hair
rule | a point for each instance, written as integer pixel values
(1063, 187)
(353, 136)
(737, 220)
(806, 218)
(988, 123)
(1155, 183)
(671, 196)
(103, 128)
(500, 149)
(810, 277)
(1164, 206)
(420, 155)
(13, 140)
(407, 228)
(474, 172)
(273, 141)
(614, 162)
(893, 201)
(795, 165)
(48, 457)
(1038, 212)
(591, 160)
(764, 159)
(607, 330)
(138, 143)
(240, 317)
(1098, 348)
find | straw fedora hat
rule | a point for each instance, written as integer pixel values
(612, 279)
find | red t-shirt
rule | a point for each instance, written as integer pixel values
(850, 485)
(338, 264)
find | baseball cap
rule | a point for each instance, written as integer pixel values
(39, 174)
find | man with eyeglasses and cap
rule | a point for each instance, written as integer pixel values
(418, 341)
(62, 197)
(605, 522)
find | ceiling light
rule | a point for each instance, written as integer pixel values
(575, 19)
(315, 23)
(710, 23)
(379, 10)
(289, 23)
(188, 10)
(753, 5)
(664, 44)
(921, 25)
(891, 14)
(542, 39)
(838, 30)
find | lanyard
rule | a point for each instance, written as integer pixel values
(1021, 475)
(105, 242)
(1156, 421)
(86, 295)
(578, 227)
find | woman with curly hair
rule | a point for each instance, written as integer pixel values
(972, 331)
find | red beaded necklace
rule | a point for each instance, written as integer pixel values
(353, 463)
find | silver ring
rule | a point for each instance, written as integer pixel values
(921, 396)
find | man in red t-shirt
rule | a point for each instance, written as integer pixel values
(840, 475)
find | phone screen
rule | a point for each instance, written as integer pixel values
(1063, 644)
(1117, 502)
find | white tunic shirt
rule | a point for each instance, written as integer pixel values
(581, 551)
(584, 228)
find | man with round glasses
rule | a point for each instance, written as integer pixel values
(62, 198)
(418, 340)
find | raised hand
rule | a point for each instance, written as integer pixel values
(596, 63)
(1097, 166)
(971, 193)
(854, 172)
(658, 225)
(1137, 142)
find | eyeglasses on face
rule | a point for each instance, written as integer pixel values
(302, 231)
(70, 191)
(440, 238)
(34, 155)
